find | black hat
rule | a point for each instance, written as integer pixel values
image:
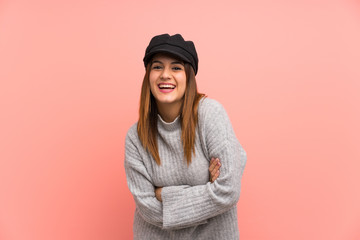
(175, 45)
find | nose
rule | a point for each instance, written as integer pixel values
(165, 74)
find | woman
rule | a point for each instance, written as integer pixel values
(173, 153)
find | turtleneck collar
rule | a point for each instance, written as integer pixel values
(169, 126)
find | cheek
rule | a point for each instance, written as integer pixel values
(152, 81)
(151, 78)
(182, 88)
(183, 84)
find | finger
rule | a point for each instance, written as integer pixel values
(215, 169)
(215, 176)
(213, 173)
(218, 160)
(213, 179)
(212, 164)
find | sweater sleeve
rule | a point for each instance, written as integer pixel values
(198, 203)
(142, 188)
(140, 184)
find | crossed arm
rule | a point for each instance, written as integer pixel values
(160, 206)
(214, 170)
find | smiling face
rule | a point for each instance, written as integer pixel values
(167, 80)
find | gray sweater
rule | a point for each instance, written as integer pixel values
(191, 207)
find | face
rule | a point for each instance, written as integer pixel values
(167, 79)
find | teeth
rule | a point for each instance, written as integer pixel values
(166, 86)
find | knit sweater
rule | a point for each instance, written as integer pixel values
(192, 207)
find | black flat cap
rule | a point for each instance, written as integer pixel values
(175, 45)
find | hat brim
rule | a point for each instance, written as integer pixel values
(173, 52)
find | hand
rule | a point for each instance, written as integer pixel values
(214, 169)
(158, 193)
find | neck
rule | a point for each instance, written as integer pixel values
(169, 111)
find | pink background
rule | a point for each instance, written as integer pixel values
(287, 72)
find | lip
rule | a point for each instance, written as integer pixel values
(166, 90)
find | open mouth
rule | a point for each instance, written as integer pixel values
(166, 87)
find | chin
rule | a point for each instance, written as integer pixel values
(167, 100)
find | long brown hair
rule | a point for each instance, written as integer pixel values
(147, 124)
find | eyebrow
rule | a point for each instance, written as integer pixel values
(157, 61)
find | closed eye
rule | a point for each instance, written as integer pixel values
(177, 68)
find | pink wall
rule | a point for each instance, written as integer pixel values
(288, 74)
